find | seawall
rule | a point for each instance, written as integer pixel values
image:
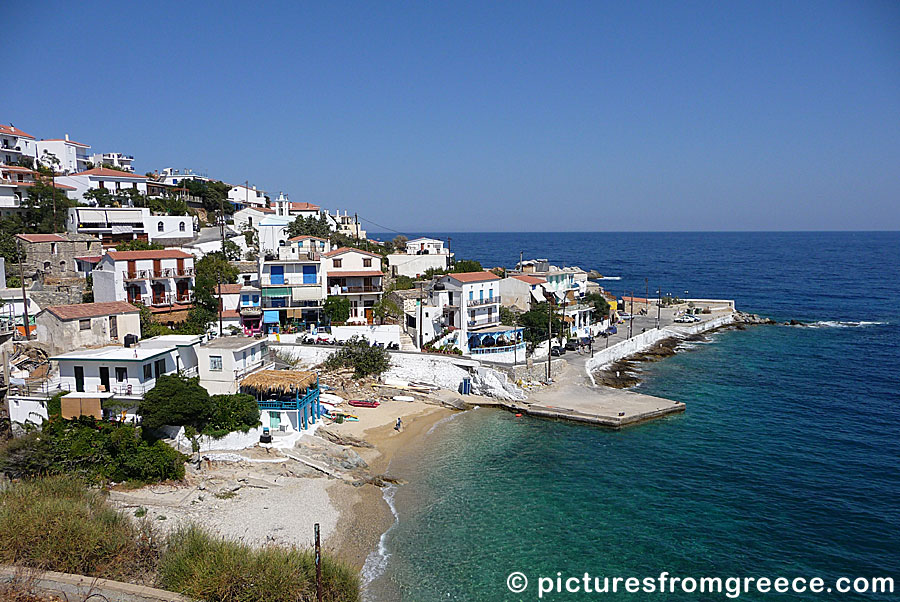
(645, 340)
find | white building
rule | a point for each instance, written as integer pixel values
(422, 254)
(272, 233)
(12, 308)
(242, 196)
(521, 290)
(120, 160)
(66, 327)
(356, 275)
(293, 283)
(102, 177)
(284, 207)
(15, 184)
(177, 176)
(15, 144)
(155, 278)
(345, 224)
(113, 225)
(249, 217)
(73, 156)
(224, 361)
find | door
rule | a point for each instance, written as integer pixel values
(132, 268)
(277, 276)
(180, 267)
(182, 288)
(79, 379)
(157, 267)
(104, 378)
(113, 327)
(159, 293)
(369, 315)
(274, 420)
(309, 274)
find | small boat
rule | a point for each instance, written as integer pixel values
(403, 398)
(330, 400)
(363, 403)
(345, 416)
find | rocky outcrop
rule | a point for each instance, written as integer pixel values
(751, 319)
(346, 440)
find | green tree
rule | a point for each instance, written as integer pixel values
(238, 412)
(9, 227)
(138, 245)
(402, 283)
(362, 357)
(337, 308)
(310, 226)
(211, 194)
(467, 265)
(46, 207)
(209, 271)
(508, 317)
(149, 327)
(600, 304)
(386, 308)
(534, 322)
(176, 400)
(101, 196)
(232, 251)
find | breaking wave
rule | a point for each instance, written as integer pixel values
(843, 324)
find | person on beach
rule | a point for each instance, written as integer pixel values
(399, 424)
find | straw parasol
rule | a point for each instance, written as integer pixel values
(280, 382)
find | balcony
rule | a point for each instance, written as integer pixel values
(480, 302)
(351, 290)
(170, 299)
(289, 280)
(484, 322)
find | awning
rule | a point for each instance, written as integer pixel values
(92, 216)
(278, 291)
(270, 316)
(537, 294)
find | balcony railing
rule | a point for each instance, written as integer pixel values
(483, 322)
(160, 274)
(289, 280)
(349, 290)
(170, 299)
(486, 301)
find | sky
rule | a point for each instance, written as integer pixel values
(489, 116)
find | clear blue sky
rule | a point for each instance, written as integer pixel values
(489, 116)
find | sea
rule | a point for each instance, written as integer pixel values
(785, 464)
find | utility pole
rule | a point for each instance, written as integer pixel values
(449, 254)
(356, 219)
(647, 294)
(24, 297)
(246, 193)
(631, 321)
(521, 261)
(224, 258)
(549, 335)
(420, 324)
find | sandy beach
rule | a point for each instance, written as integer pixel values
(266, 496)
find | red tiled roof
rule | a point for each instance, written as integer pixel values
(635, 299)
(11, 130)
(474, 276)
(56, 184)
(304, 237)
(16, 168)
(151, 254)
(228, 289)
(42, 237)
(348, 249)
(90, 258)
(358, 274)
(92, 310)
(230, 313)
(529, 279)
(303, 207)
(109, 173)
(67, 141)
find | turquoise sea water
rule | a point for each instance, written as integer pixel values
(785, 463)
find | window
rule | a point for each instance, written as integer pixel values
(215, 363)
(181, 226)
(337, 263)
(84, 324)
(121, 375)
(159, 367)
(53, 249)
(246, 279)
(159, 227)
(367, 263)
(148, 371)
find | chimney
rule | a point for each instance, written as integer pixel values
(67, 137)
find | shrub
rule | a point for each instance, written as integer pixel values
(231, 413)
(92, 450)
(206, 567)
(175, 400)
(56, 524)
(337, 308)
(357, 354)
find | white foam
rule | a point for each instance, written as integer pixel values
(844, 324)
(377, 560)
(453, 416)
(609, 278)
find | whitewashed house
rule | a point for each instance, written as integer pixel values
(293, 282)
(421, 255)
(249, 217)
(102, 177)
(155, 278)
(73, 156)
(15, 184)
(15, 144)
(223, 362)
(242, 196)
(113, 225)
(356, 275)
(119, 160)
(521, 290)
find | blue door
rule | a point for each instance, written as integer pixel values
(309, 274)
(277, 274)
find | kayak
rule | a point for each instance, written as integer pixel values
(403, 398)
(363, 403)
(346, 416)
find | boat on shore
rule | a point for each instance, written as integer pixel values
(363, 403)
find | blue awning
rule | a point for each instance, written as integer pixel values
(270, 317)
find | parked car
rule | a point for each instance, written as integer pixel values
(555, 351)
(571, 346)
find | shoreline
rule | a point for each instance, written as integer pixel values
(363, 514)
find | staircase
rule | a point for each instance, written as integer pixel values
(406, 342)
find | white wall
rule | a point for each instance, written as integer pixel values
(415, 265)
(385, 334)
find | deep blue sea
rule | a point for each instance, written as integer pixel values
(786, 462)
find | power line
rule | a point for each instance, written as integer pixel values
(380, 226)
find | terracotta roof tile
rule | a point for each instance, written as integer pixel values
(529, 279)
(151, 254)
(92, 310)
(468, 277)
(11, 130)
(304, 237)
(109, 173)
(343, 250)
(228, 289)
(351, 274)
(303, 207)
